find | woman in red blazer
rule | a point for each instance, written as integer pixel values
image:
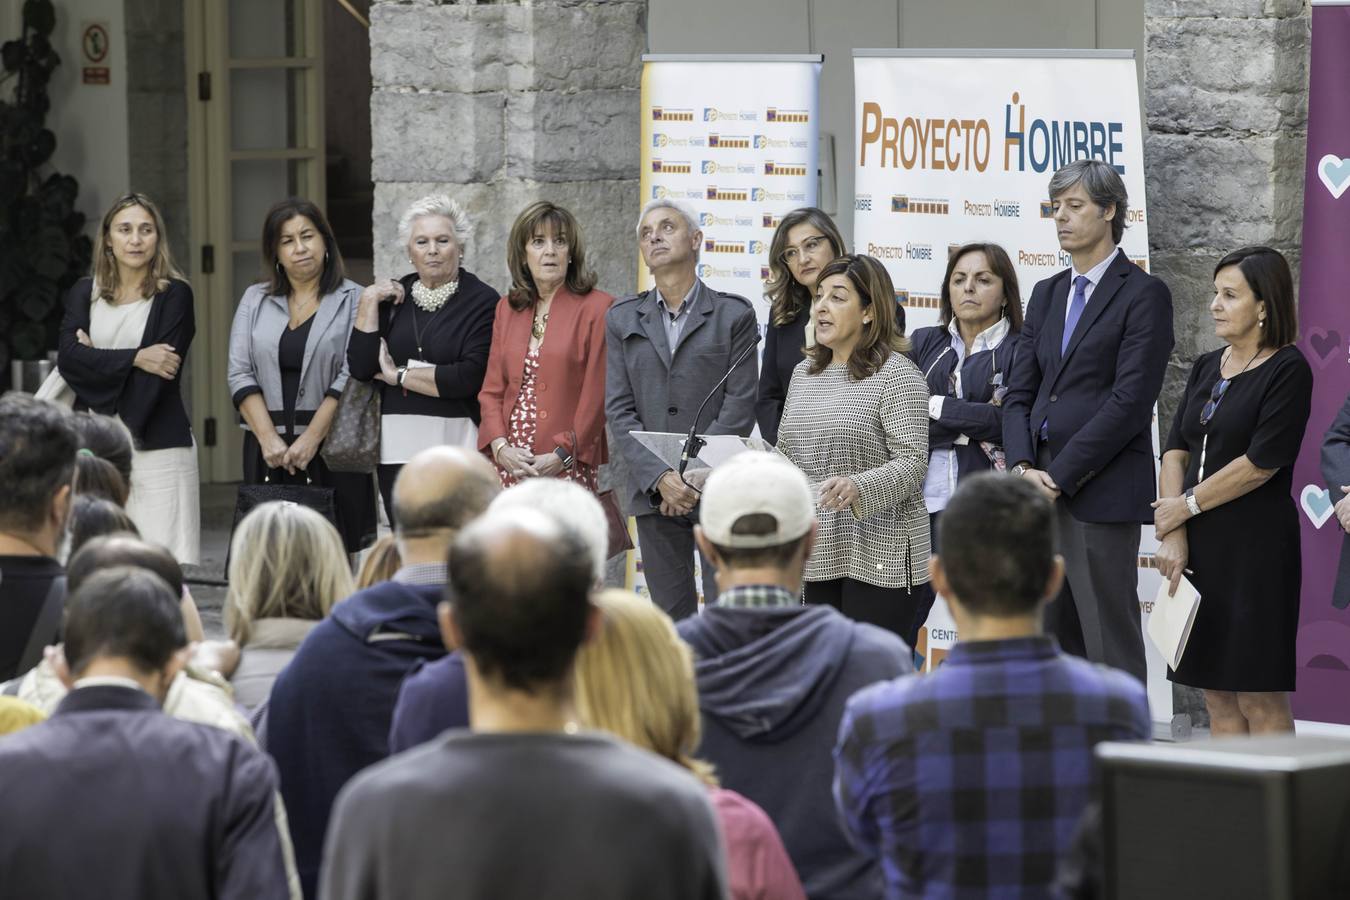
(543, 399)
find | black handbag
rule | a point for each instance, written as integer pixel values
(320, 499)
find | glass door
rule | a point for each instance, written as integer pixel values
(256, 137)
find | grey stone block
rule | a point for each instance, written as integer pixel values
(474, 48)
(555, 136)
(607, 211)
(1239, 9)
(436, 136)
(1207, 191)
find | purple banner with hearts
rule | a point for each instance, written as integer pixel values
(1324, 325)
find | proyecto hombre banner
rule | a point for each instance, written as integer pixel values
(1324, 326)
(956, 146)
(735, 137)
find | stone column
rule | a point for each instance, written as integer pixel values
(499, 105)
(1226, 97)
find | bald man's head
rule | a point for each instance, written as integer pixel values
(442, 488)
(520, 590)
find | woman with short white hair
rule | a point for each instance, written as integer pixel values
(430, 354)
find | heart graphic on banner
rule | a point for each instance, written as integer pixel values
(1335, 174)
(1324, 343)
(1316, 504)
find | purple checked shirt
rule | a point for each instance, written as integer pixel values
(969, 782)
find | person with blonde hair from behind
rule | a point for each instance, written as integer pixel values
(288, 568)
(381, 562)
(635, 679)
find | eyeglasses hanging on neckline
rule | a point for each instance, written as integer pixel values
(1215, 396)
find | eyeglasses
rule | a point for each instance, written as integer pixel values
(808, 247)
(1207, 412)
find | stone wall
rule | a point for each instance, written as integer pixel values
(502, 104)
(1226, 95)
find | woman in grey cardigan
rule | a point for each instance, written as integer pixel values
(288, 363)
(856, 422)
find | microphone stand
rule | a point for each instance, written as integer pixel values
(693, 444)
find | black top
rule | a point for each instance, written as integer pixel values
(455, 338)
(24, 583)
(782, 351)
(1245, 554)
(108, 382)
(291, 356)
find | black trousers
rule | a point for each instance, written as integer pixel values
(386, 474)
(888, 608)
(924, 595)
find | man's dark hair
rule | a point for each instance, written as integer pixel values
(997, 540)
(37, 457)
(122, 551)
(779, 555)
(125, 612)
(520, 589)
(466, 500)
(92, 517)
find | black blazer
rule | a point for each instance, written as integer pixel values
(782, 351)
(1336, 472)
(974, 415)
(1098, 396)
(110, 797)
(108, 382)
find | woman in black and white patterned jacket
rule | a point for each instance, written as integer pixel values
(856, 422)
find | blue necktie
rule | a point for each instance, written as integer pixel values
(1070, 323)
(1075, 310)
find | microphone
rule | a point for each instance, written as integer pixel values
(693, 443)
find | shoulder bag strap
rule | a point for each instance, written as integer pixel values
(48, 621)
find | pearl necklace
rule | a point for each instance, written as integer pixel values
(432, 299)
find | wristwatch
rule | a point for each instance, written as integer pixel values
(567, 458)
(1192, 504)
(402, 374)
(1020, 469)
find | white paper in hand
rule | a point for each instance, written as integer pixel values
(1169, 625)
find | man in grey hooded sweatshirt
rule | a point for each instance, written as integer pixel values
(774, 675)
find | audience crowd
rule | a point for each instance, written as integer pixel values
(464, 709)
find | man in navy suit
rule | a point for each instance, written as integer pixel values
(1078, 414)
(111, 798)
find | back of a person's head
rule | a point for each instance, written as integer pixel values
(381, 564)
(92, 517)
(123, 613)
(575, 508)
(37, 458)
(519, 591)
(442, 489)
(286, 562)
(122, 551)
(107, 439)
(96, 477)
(635, 679)
(997, 536)
(757, 510)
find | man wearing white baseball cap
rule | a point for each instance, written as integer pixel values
(774, 675)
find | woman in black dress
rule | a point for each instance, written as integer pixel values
(429, 345)
(805, 240)
(1226, 515)
(287, 364)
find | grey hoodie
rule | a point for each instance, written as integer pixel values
(772, 686)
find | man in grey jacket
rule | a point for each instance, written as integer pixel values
(667, 350)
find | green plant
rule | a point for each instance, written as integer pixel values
(43, 248)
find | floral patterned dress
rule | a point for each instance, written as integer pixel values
(521, 429)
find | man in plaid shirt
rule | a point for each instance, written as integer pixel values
(969, 782)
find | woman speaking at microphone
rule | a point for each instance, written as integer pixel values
(856, 422)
